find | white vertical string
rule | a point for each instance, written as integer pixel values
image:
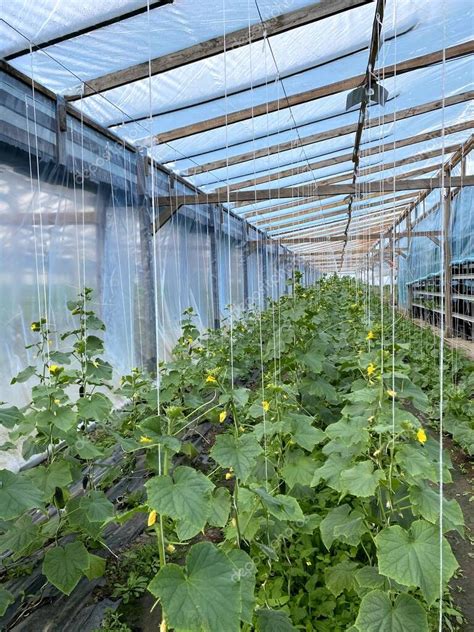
(45, 309)
(443, 323)
(229, 240)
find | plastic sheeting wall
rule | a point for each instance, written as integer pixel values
(424, 256)
(184, 276)
(81, 215)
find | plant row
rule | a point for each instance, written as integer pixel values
(322, 484)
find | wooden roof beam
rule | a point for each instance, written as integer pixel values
(332, 227)
(218, 45)
(295, 207)
(318, 240)
(327, 162)
(454, 52)
(336, 132)
(328, 227)
(304, 219)
(325, 190)
(88, 29)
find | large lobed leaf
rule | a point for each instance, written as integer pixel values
(240, 453)
(17, 494)
(65, 565)
(186, 498)
(378, 614)
(212, 593)
(412, 557)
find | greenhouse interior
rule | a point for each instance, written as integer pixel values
(236, 316)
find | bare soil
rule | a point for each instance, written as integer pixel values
(462, 490)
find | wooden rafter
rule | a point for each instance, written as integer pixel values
(305, 219)
(218, 45)
(343, 85)
(318, 240)
(402, 176)
(327, 162)
(88, 29)
(335, 225)
(299, 227)
(332, 133)
(295, 206)
(325, 190)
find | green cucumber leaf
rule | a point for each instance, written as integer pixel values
(186, 498)
(17, 495)
(273, 621)
(96, 407)
(361, 480)
(220, 507)
(6, 598)
(284, 508)
(340, 577)
(240, 453)
(10, 416)
(64, 566)
(412, 557)
(342, 524)
(298, 469)
(96, 567)
(208, 586)
(425, 503)
(377, 613)
(96, 506)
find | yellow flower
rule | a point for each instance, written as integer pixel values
(222, 416)
(421, 436)
(266, 406)
(57, 402)
(35, 327)
(228, 476)
(391, 393)
(242, 429)
(171, 548)
(210, 379)
(190, 341)
(146, 440)
(54, 369)
(371, 369)
(152, 518)
(370, 335)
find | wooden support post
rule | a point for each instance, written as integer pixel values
(410, 285)
(147, 244)
(264, 272)
(61, 130)
(448, 303)
(392, 268)
(245, 270)
(213, 227)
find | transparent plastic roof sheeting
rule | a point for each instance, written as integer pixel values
(142, 109)
(164, 30)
